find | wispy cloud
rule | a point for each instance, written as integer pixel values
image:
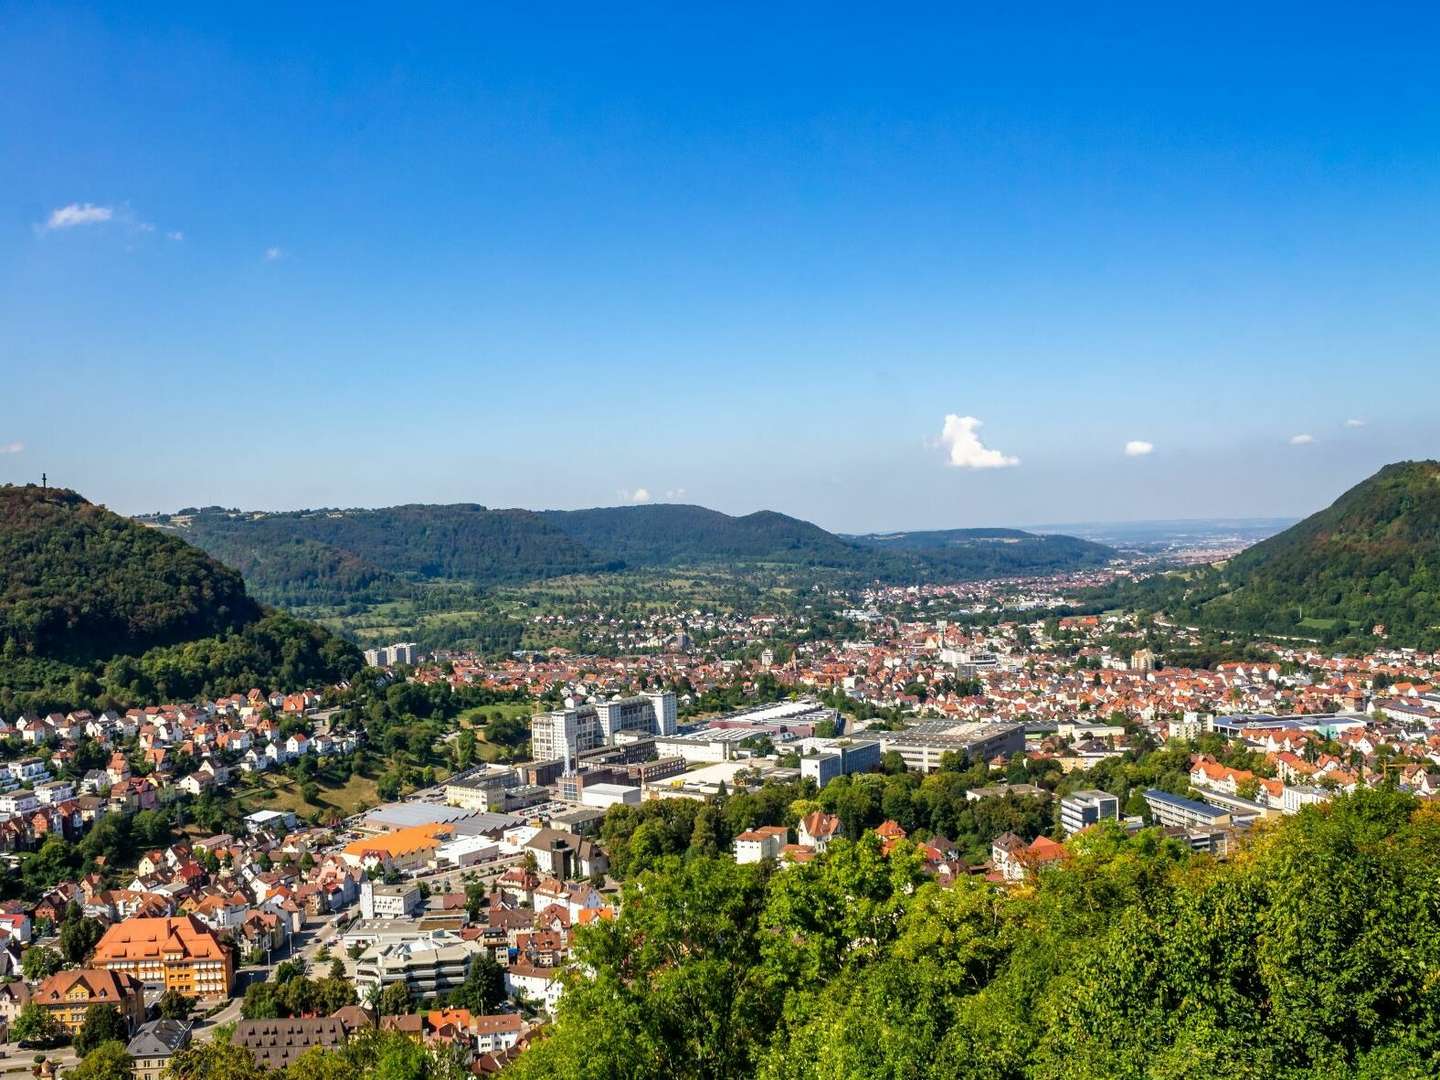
(640, 495)
(68, 217)
(1138, 448)
(675, 493)
(274, 254)
(1301, 440)
(12, 447)
(964, 449)
(175, 234)
(1354, 423)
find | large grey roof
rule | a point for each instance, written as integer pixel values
(159, 1038)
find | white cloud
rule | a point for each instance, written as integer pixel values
(1301, 440)
(675, 493)
(1138, 448)
(67, 217)
(639, 495)
(274, 254)
(175, 235)
(11, 447)
(964, 449)
(1354, 423)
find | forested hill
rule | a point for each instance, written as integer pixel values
(78, 581)
(973, 553)
(336, 556)
(329, 556)
(666, 535)
(1371, 558)
(93, 605)
(674, 535)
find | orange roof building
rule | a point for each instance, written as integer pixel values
(180, 954)
(402, 848)
(67, 995)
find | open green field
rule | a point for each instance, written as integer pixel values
(480, 714)
(276, 792)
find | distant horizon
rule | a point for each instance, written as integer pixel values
(1041, 528)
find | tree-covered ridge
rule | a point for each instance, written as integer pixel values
(96, 610)
(1310, 954)
(675, 535)
(352, 550)
(78, 582)
(354, 556)
(1371, 558)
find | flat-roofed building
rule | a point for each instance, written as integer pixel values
(179, 953)
(482, 790)
(923, 746)
(466, 851)
(380, 901)
(825, 759)
(435, 964)
(603, 796)
(575, 729)
(1175, 810)
(1081, 809)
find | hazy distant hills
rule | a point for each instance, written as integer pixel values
(330, 556)
(94, 605)
(1372, 557)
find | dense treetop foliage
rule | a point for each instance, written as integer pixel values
(1372, 557)
(325, 555)
(98, 610)
(75, 579)
(369, 1055)
(1310, 954)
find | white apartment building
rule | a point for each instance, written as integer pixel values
(575, 729)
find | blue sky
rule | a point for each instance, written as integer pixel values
(362, 255)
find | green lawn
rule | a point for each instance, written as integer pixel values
(357, 793)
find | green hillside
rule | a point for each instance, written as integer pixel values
(340, 557)
(95, 607)
(330, 556)
(974, 553)
(676, 535)
(1371, 558)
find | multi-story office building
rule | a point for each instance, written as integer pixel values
(482, 789)
(1086, 808)
(571, 731)
(1169, 809)
(428, 966)
(180, 954)
(380, 901)
(838, 757)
